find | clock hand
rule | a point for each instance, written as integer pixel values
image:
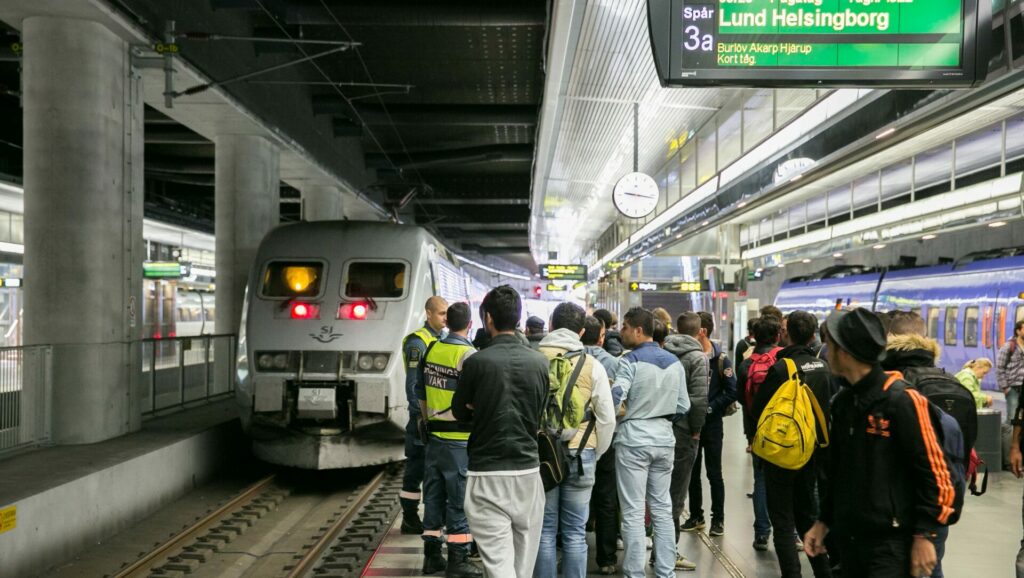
(638, 195)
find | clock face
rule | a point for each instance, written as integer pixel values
(636, 195)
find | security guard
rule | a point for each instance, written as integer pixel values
(414, 346)
(444, 482)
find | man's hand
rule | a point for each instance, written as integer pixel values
(988, 401)
(696, 436)
(1016, 462)
(922, 557)
(814, 539)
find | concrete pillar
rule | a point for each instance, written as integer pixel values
(247, 208)
(83, 223)
(322, 203)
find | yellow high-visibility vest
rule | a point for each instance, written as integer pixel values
(441, 377)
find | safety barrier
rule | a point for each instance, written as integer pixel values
(186, 371)
(26, 385)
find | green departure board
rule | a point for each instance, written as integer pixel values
(819, 42)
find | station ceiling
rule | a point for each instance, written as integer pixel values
(432, 115)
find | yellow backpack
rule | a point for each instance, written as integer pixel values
(787, 433)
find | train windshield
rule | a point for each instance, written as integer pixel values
(375, 279)
(292, 279)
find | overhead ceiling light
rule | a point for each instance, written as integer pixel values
(879, 246)
(782, 265)
(806, 261)
(837, 255)
(659, 246)
(997, 224)
(928, 237)
(742, 204)
(797, 178)
(887, 132)
(679, 236)
(705, 223)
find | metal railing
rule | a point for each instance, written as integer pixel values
(26, 384)
(185, 371)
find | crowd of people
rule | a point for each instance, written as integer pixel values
(878, 485)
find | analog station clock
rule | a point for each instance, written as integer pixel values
(636, 195)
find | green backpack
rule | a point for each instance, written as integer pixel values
(564, 407)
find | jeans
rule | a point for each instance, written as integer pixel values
(412, 478)
(1020, 553)
(710, 450)
(645, 473)
(685, 455)
(942, 534)
(566, 509)
(444, 491)
(870, 557)
(762, 523)
(792, 507)
(605, 502)
(1012, 398)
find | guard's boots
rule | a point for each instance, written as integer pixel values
(459, 566)
(433, 560)
(411, 524)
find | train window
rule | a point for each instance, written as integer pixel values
(951, 315)
(376, 279)
(293, 279)
(971, 327)
(933, 322)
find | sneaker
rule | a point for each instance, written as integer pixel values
(692, 525)
(683, 564)
(607, 570)
(761, 543)
(717, 528)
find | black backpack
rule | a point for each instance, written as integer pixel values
(949, 395)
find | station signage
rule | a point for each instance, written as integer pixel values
(11, 282)
(165, 270)
(820, 43)
(553, 288)
(556, 272)
(675, 287)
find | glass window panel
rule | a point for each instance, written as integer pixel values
(971, 325)
(729, 141)
(1014, 138)
(5, 227)
(781, 224)
(951, 318)
(816, 209)
(757, 118)
(292, 279)
(932, 167)
(377, 279)
(839, 202)
(790, 102)
(933, 322)
(687, 169)
(865, 191)
(979, 150)
(706, 152)
(896, 180)
(17, 229)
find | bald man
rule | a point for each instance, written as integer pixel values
(414, 346)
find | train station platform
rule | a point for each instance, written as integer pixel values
(56, 501)
(983, 543)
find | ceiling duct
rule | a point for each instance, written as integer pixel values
(417, 14)
(484, 154)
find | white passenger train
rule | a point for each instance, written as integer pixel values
(320, 376)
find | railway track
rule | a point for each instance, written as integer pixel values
(282, 528)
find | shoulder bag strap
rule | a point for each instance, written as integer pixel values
(568, 389)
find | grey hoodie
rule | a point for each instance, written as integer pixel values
(695, 362)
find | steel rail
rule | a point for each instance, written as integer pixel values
(313, 554)
(181, 538)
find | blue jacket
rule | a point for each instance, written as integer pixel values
(609, 363)
(652, 384)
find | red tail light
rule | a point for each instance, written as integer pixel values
(355, 311)
(301, 310)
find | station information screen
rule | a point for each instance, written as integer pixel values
(820, 42)
(563, 272)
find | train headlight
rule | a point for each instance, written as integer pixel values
(380, 361)
(365, 362)
(266, 361)
(281, 361)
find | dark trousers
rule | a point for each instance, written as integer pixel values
(710, 451)
(792, 508)
(412, 478)
(682, 467)
(876, 557)
(604, 502)
(444, 492)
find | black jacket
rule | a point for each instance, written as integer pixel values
(613, 343)
(749, 423)
(506, 384)
(721, 387)
(887, 473)
(813, 371)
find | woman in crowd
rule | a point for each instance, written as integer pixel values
(971, 375)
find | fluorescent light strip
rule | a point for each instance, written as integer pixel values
(491, 269)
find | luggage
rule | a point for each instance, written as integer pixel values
(949, 395)
(563, 409)
(760, 363)
(792, 425)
